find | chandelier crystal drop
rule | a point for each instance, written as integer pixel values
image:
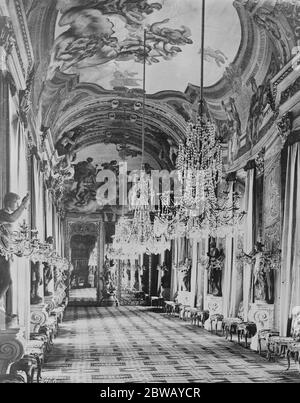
(144, 234)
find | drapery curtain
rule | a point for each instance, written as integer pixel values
(18, 183)
(179, 252)
(249, 241)
(49, 214)
(173, 269)
(236, 295)
(37, 200)
(290, 265)
(194, 272)
(201, 285)
(227, 279)
(227, 275)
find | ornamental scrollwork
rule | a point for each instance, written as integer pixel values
(260, 162)
(7, 36)
(285, 125)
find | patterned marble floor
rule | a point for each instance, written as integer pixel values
(135, 344)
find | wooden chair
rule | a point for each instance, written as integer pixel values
(278, 345)
(230, 324)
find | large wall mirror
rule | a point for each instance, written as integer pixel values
(85, 251)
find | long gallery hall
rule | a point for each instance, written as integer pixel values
(150, 190)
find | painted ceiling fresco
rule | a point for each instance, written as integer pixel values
(88, 166)
(102, 40)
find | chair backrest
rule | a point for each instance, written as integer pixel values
(295, 329)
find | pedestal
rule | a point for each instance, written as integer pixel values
(12, 348)
(38, 317)
(262, 314)
(214, 305)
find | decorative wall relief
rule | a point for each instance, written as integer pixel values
(291, 11)
(272, 195)
(215, 266)
(272, 220)
(232, 129)
(269, 20)
(284, 126)
(261, 97)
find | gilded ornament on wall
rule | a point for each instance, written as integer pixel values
(272, 196)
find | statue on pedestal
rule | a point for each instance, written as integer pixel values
(109, 288)
(262, 280)
(8, 216)
(215, 267)
(48, 274)
(36, 282)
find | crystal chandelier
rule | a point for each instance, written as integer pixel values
(144, 234)
(199, 165)
(199, 161)
(202, 210)
(121, 248)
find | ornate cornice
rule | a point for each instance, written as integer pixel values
(289, 92)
